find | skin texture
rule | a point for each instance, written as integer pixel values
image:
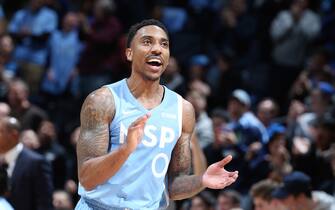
(95, 165)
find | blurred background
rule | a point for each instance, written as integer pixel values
(260, 74)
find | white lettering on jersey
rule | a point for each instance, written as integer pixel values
(149, 132)
(150, 139)
(167, 136)
(123, 133)
(166, 164)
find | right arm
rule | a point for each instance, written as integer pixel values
(95, 164)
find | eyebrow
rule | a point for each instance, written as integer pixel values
(151, 37)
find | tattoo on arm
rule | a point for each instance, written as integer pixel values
(181, 184)
(96, 114)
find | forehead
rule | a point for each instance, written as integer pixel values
(152, 31)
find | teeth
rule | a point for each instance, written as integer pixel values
(154, 60)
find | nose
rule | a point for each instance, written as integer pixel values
(156, 49)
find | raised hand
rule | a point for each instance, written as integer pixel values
(216, 177)
(136, 132)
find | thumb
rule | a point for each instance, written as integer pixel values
(224, 161)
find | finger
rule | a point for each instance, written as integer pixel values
(224, 161)
(141, 120)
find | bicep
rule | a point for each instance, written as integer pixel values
(95, 116)
(181, 156)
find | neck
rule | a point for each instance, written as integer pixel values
(148, 93)
(143, 88)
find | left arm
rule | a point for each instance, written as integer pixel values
(181, 184)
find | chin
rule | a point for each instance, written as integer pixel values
(152, 78)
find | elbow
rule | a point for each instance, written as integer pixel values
(174, 197)
(85, 182)
(178, 196)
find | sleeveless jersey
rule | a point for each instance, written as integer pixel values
(140, 182)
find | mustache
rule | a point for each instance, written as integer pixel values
(151, 56)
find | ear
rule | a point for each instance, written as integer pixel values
(129, 54)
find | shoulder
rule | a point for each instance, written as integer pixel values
(100, 96)
(99, 103)
(30, 159)
(188, 108)
(188, 116)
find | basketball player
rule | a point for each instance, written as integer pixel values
(134, 144)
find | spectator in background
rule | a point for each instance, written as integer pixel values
(319, 153)
(223, 139)
(236, 30)
(203, 201)
(61, 200)
(71, 166)
(98, 64)
(7, 65)
(277, 156)
(296, 194)
(317, 70)
(261, 195)
(52, 152)
(319, 102)
(31, 27)
(64, 49)
(244, 122)
(250, 135)
(198, 67)
(172, 77)
(197, 74)
(273, 161)
(4, 205)
(29, 139)
(267, 111)
(29, 115)
(203, 126)
(291, 31)
(59, 86)
(30, 174)
(4, 109)
(228, 199)
(223, 78)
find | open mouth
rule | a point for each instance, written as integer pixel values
(154, 62)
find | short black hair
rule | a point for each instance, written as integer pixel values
(134, 28)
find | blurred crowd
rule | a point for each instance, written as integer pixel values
(259, 73)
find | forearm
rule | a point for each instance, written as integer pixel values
(199, 161)
(98, 170)
(185, 186)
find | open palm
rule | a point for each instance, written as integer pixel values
(216, 177)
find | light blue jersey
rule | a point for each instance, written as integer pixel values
(140, 182)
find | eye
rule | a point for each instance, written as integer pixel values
(165, 44)
(146, 42)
